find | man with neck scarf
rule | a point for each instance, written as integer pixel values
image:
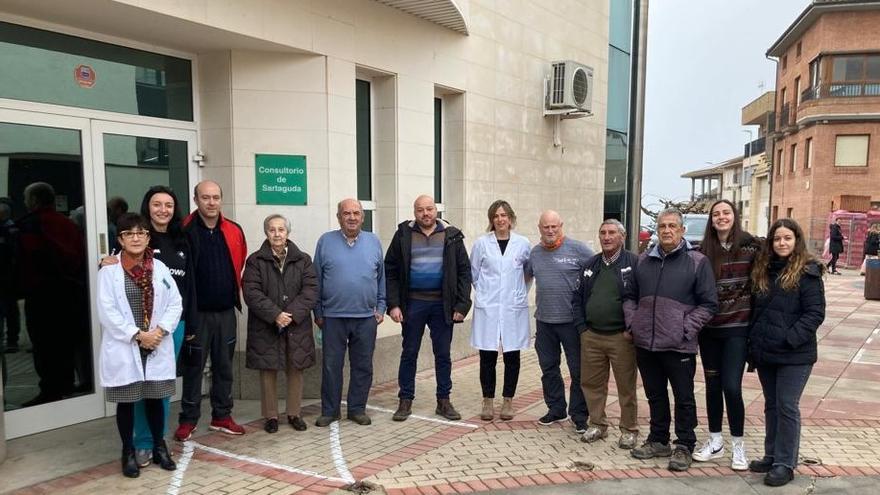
(555, 263)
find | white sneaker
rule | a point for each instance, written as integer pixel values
(739, 460)
(708, 451)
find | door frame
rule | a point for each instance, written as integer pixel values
(99, 129)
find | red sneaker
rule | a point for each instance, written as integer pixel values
(226, 425)
(184, 431)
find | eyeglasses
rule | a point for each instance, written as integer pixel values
(134, 234)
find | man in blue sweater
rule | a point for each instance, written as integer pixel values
(351, 304)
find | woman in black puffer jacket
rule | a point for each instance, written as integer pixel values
(789, 307)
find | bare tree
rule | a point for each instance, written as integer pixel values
(694, 206)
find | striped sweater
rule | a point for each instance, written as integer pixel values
(734, 291)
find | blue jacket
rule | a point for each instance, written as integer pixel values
(672, 298)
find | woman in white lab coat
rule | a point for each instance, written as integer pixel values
(138, 306)
(501, 305)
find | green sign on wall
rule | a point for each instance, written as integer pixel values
(281, 179)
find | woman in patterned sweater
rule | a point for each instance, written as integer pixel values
(723, 340)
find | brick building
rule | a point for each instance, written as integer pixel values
(827, 138)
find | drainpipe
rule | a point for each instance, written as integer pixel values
(637, 125)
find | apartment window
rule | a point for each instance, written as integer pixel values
(814, 73)
(797, 50)
(735, 176)
(855, 75)
(784, 62)
(788, 212)
(792, 158)
(797, 90)
(364, 132)
(808, 154)
(851, 151)
(775, 213)
(779, 162)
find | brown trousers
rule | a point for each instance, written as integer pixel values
(598, 351)
(269, 392)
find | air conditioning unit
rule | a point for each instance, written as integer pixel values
(569, 88)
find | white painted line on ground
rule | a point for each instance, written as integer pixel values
(463, 424)
(182, 464)
(858, 357)
(261, 462)
(336, 452)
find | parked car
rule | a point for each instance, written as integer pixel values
(694, 229)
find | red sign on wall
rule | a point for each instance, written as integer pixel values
(84, 75)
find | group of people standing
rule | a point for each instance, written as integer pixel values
(738, 300)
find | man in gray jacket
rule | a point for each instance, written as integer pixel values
(672, 298)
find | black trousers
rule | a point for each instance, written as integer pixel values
(215, 337)
(488, 360)
(659, 370)
(724, 360)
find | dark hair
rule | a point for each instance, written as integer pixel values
(175, 227)
(711, 245)
(131, 221)
(500, 203)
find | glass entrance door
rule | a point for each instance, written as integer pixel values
(62, 182)
(47, 335)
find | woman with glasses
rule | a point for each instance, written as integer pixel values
(169, 245)
(139, 306)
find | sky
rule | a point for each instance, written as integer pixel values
(705, 62)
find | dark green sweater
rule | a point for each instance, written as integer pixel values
(605, 307)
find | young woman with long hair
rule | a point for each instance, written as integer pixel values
(789, 307)
(731, 252)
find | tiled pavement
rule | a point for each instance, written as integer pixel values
(840, 407)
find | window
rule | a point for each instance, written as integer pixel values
(792, 158)
(364, 130)
(814, 73)
(789, 212)
(735, 176)
(808, 154)
(797, 50)
(775, 213)
(855, 75)
(797, 91)
(438, 151)
(851, 151)
(779, 162)
(784, 62)
(68, 70)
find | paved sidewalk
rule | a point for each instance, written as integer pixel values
(425, 454)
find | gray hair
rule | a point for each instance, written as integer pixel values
(671, 212)
(39, 194)
(275, 216)
(616, 223)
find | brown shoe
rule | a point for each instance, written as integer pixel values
(445, 409)
(506, 409)
(404, 409)
(488, 412)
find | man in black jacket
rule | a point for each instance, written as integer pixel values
(605, 337)
(428, 280)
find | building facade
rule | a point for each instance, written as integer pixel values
(826, 145)
(756, 164)
(291, 107)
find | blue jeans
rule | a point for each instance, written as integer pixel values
(783, 386)
(358, 335)
(143, 439)
(418, 314)
(548, 340)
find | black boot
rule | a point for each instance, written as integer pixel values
(130, 467)
(778, 476)
(161, 456)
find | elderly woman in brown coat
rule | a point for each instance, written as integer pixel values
(280, 289)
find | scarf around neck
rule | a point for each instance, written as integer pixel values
(142, 274)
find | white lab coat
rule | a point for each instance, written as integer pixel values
(501, 297)
(120, 354)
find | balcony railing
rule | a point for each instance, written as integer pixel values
(756, 147)
(841, 90)
(786, 116)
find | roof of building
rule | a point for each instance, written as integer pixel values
(713, 169)
(813, 11)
